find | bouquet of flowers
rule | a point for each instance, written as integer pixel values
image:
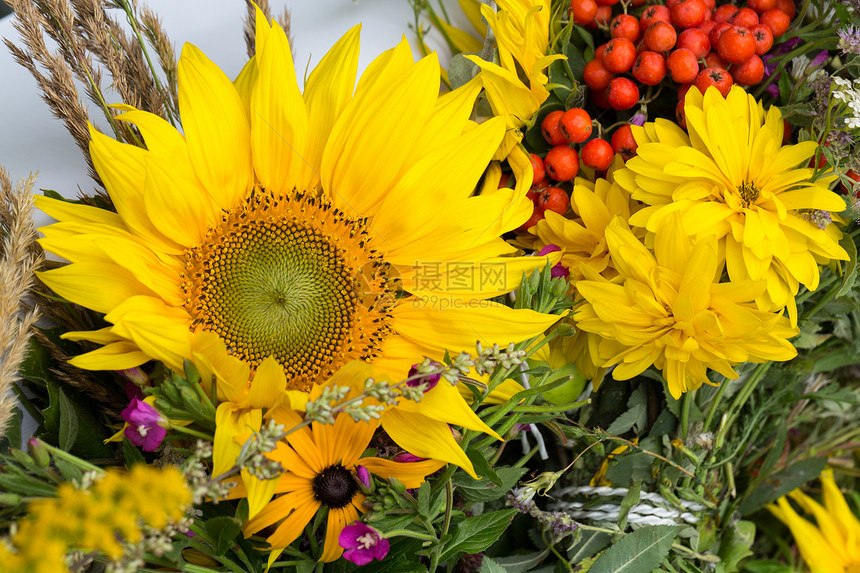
(581, 298)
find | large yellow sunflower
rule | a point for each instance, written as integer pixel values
(301, 226)
(668, 309)
(730, 176)
(831, 546)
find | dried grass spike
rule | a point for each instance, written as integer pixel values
(20, 257)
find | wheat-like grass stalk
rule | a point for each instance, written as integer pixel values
(20, 256)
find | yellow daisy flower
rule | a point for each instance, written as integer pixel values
(831, 546)
(296, 225)
(320, 463)
(732, 177)
(666, 308)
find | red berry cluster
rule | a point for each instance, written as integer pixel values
(693, 42)
(562, 129)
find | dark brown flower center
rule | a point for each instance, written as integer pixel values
(335, 487)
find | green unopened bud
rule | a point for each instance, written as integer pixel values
(10, 499)
(396, 485)
(39, 453)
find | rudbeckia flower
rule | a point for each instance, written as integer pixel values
(668, 309)
(730, 176)
(320, 463)
(832, 544)
(296, 225)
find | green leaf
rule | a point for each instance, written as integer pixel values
(69, 470)
(590, 543)
(635, 417)
(461, 70)
(850, 275)
(223, 530)
(629, 469)
(25, 486)
(131, 453)
(631, 499)
(490, 566)
(762, 566)
(484, 489)
(12, 437)
(642, 550)
(520, 563)
(736, 546)
(68, 422)
(781, 483)
(483, 467)
(475, 534)
(424, 499)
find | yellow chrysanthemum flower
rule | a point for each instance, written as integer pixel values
(668, 309)
(320, 463)
(521, 29)
(831, 546)
(732, 177)
(301, 226)
(582, 238)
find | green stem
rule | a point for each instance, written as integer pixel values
(686, 403)
(408, 533)
(449, 505)
(741, 398)
(715, 401)
(821, 302)
(190, 432)
(132, 21)
(63, 455)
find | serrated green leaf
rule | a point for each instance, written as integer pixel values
(475, 534)
(485, 490)
(590, 543)
(483, 467)
(642, 550)
(68, 422)
(490, 566)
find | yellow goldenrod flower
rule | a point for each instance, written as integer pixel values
(832, 543)
(668, 309)
(298, 226)
(729, 175)
(100, 518)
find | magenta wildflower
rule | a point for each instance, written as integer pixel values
(559, 270)
(363, 476)
(431, 379)
(407, 458)
(362, 543)
(143, 428)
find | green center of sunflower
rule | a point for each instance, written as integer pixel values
(334, 487)
(292, 278)
(749, 193)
